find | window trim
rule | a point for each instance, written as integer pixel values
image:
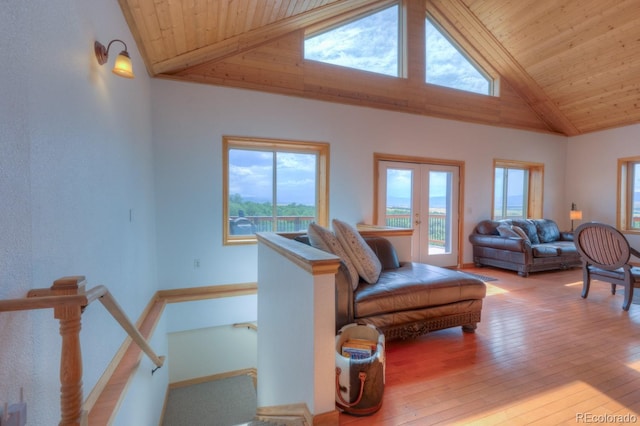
(535, 190)
(624, 197)
(321, 149)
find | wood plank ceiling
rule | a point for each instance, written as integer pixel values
(563, 66)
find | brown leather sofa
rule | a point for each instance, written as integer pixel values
(523, 245)
(409, 299)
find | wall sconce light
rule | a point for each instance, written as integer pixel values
(122, 66)
(574, 214)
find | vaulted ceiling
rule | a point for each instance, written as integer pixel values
(563, 66)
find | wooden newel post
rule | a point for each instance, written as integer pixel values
(71, 356)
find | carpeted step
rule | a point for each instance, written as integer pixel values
(221, 402)
(276, 422)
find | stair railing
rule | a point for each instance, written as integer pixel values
(68, 298)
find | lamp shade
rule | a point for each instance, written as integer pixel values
(123, 66)
(575, 214)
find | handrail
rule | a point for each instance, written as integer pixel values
(68, 298)
(109, 302)
(35, 301)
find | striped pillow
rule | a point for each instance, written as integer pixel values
(325, 240)
(365, 260)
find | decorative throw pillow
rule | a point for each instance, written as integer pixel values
(529, 228)
(488, 227)
(507, 231)
(365, 260)
(512, 231)
(520, 233)
(323, 239)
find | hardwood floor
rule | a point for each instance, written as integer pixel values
(541, 355)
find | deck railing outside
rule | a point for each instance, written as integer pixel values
(245, 225)
(251, 224)
(437, 226)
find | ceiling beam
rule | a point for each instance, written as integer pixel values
(456, 17)
(259, 36)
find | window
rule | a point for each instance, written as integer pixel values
(449, 66)
(511, 193)
(369, 43)
(273, 186)
(517, 190)
(629, 194)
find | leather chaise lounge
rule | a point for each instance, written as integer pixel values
(409, 298)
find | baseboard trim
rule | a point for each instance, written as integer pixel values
(329, 418)
(245, 371)
(283, 412)
(299, 411)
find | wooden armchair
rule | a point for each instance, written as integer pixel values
(605, 254)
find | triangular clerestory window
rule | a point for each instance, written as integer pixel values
(369, 43)
(448, 65)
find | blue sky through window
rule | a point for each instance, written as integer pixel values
(369, 44)
(251, 176)
(372, 44)
(400, 188)
(447, 66)
(514, 205)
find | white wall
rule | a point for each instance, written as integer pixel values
(75, 158)
(188, 316)
(209, 351)
(189, 121)
(592, 172)
(202, 341)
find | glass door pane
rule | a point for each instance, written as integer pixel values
(439, 207)
(398, 198)
(439, 212)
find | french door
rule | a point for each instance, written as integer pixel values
(424, 197)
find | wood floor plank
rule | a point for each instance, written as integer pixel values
(541, 355)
